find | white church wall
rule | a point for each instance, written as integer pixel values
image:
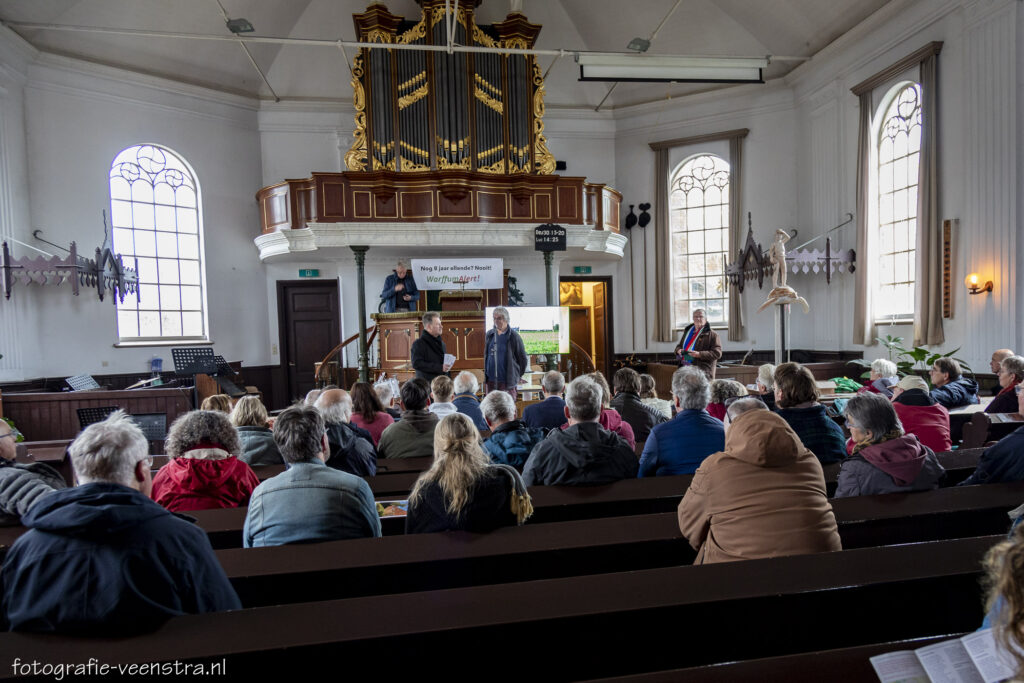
(978, 153)
(78, 117)
(16, 321)
(799, 170)
(769, 192)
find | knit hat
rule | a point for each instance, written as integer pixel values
(912, 382)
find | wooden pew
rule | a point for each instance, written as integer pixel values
(843, 665)
(985, 427)
(551, 503)
(354, 568)
(578, 627)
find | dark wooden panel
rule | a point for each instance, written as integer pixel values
(385, 206)
(417, 205)
(46, 416)
(454, 207)
(275, 209)
(492, 205)
(568, 202)
(309, 328)
(542, 204)
(361, 202)
(333, 196)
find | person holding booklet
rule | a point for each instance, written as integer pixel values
(992, 653)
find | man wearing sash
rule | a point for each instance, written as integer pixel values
(700, 345)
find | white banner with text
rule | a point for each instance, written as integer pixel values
(448, 273)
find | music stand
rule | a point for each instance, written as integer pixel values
(82, 383)
(88, 416)
(224, 371)
(190, 361)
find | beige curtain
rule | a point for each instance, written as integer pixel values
(664, 286)
(863, 324)
(928, 296)
(735, 231)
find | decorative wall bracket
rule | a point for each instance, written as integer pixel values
(106, 272)
(753, 262)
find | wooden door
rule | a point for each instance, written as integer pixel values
(309, 318)
(600, 334)
(579, 328)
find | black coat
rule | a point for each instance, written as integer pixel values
(640, 416)
(103, 558)
(428, 356)
(489, 507)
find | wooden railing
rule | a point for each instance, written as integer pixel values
(577, 362)
(319, 376)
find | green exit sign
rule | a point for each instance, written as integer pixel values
(581, 270)
(309, 272)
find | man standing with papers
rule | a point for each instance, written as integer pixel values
(428, 352)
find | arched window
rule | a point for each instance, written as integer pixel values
(699, 223)
(156, 218)
(899, 151)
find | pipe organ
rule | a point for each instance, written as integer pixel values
(433, 111)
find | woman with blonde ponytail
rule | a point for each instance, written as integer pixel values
(1004, 567)
(462, 490)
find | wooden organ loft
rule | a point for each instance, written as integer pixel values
(443, 141)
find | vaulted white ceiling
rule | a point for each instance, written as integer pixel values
(782, 28)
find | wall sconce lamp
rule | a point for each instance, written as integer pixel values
(972, 284)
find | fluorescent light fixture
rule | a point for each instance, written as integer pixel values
(652, 68)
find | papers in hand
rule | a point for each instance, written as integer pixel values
(974, 658)
(449, 360)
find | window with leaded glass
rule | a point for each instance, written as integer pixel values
(156, 218)
(899, 150)
(699, 222)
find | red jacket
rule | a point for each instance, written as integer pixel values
(930, 424)
(185, 484)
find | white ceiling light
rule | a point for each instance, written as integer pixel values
(652, 68)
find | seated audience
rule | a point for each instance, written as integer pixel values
(610, 418)
(882, 378)
(218, 402)
(21, 485)
(766, 384)
(367, 411)
(351, 450)
(462, 490)
(950, 387)
(1011, 372)
(204, 471)
(309, 502)
(466, 386)
(256, 438)
(628, 404)
(796, 395)
(387, 398)
(583, 453)
(997, 359)
(921, 415)
(413, 435)
(649, 396)
(104, 559)
(311, 396)
(511, 441)
(680, 445)
(721, 391)
(550, 413)
(884, 459)
(763, 496)
(1004, 460)
(441, 391)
